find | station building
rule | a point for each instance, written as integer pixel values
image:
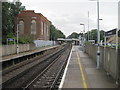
(32, 24)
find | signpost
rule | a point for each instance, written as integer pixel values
(111, 32)
(10, 40)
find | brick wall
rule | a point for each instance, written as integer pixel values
(27, 17)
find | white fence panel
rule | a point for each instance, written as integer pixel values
(42, 43)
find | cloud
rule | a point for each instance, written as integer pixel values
(67, 15)
(47, 1)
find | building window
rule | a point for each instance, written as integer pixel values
(42, 28)
(33, 27)
(47, 31)
(21, 27)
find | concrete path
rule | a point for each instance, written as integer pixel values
(82, 73)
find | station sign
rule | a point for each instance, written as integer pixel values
(10, 39)
(111, 32)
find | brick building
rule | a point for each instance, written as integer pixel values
(33, 24)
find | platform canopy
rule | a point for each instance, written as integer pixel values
(62, 39)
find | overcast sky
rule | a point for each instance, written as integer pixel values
(67, 15)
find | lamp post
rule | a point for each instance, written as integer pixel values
(17, 39)
(18, 25)
(83, 37)
(88, 27)
(98, 40)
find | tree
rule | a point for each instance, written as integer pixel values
(73, 35)
(5, 20)
(60, 34)
(9, 12)
(102, 34)
(52, 32)
(55, 33)
(119, 33)
(93, 34)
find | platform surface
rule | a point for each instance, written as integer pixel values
(82, 73)
(9, 57)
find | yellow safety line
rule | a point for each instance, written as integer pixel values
(81, 71)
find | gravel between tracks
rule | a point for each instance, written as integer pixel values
(27, 75)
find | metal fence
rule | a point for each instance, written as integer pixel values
(42, 43)
(108, 58)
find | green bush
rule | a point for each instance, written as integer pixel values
(25, 39)
(119, 46)
(11, 35)
(87, 42)
(21, 39)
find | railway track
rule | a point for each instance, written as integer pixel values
(50, 78)
(15, 70)
(48, 71)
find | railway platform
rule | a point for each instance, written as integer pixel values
(9, 57)
(81, 72)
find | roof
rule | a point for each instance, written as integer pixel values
(32, 12)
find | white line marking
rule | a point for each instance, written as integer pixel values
(65, 72)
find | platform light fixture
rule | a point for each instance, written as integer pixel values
(83, 36)
(18, 25)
